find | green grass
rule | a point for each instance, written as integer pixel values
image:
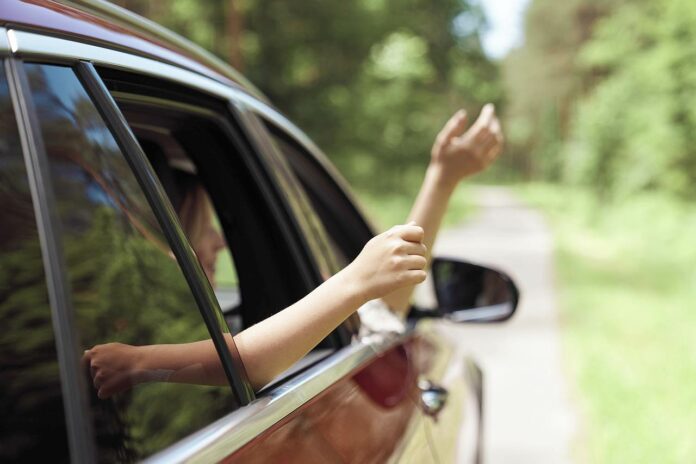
(627, 288)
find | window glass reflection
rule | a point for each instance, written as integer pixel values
(126, 286)
(32, 423)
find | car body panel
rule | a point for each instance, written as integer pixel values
(364, 418)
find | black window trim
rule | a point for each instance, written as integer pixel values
(365, 230)
(268, 155)
(72, 378)
(200, 287)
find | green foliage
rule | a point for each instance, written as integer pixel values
(385, 210)
(604, 94)
(370, 81)
(543, 81)
(636, 130)
(627, 283)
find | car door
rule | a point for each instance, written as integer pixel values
(119, 273)
(449, 383)
(294, 416)
(344, 230)
(337, 395)
(449, 393)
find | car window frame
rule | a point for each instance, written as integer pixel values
(166, 216)
(241, 426)
(279, 190)
(73, 386)
(79, 429)
(342, 200)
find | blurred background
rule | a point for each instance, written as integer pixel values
(598, 104)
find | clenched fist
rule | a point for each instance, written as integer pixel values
(114, 368)
(391, 260)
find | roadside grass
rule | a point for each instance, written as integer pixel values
(627, 289)
(387, 210)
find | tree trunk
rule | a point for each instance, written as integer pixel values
(233, 34)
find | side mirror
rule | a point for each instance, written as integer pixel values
(466, 292)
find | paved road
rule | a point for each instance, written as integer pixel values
(529, 418)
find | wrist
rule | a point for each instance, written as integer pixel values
(441, 178)
(349, 288)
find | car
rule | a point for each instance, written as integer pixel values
(98, 109)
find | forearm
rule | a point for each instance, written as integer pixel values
(273, 345)
(194, 363)
(266, 349)
(428, 211)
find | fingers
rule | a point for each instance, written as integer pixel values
(497, 131)
(413, 248)
(453, 128)
(489, 148)
(409, 232)
(116, 384)
(486, 116)
(415, 277)
(414, 262)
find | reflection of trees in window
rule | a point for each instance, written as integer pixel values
(32, 424)
(125, 284)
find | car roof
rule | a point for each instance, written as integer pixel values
(102, 23)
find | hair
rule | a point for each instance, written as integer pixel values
(184, 190)
(194, 210)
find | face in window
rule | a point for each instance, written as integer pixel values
(196, 216)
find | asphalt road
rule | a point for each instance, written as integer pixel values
(529, 417)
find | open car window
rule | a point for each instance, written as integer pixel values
(191, 136)
(261, 268)
(345, 228)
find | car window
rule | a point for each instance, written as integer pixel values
(345, 228)
(125, 284)
(197, 137)
(32, 422)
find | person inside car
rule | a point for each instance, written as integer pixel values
(388, 268)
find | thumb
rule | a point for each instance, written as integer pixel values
(487, 115)
(455, 126)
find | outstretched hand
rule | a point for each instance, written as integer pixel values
(390, 260)
(459, 153)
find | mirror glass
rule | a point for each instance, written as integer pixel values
(467, 292)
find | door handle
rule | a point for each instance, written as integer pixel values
(433, 397)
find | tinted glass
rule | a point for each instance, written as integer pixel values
(126, 286)
(32, 424)
(326, 201)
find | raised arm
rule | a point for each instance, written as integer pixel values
(456, 154)
(389, 261)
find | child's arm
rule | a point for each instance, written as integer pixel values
(457, 153)
(389, 261)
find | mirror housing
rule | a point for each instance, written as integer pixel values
(466, 292)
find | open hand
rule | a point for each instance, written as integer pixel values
(391, 260)
(459, 153)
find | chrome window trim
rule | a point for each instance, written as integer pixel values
(115, 13)
(4, 41)
(32, 44)
(230, 433)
